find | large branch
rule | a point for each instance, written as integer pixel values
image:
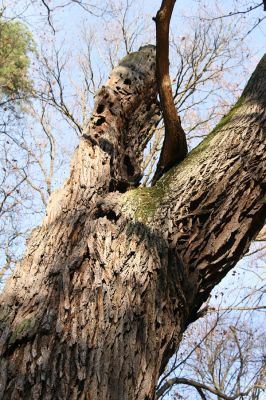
(174, 147)
(212, 205)
(124, 113)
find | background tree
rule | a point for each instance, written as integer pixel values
(223, 354)
(16, 44)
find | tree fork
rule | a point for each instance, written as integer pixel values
(110, 280)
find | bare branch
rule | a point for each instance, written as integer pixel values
(242, 12)
(196, 384)
(48, 15)
(174, 147)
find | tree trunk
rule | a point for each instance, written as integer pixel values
(113, 276)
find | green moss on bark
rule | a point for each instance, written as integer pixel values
(143, 202)
(22, 329)
(132, 59)
(224, 121)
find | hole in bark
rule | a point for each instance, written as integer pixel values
(27, 390)
(115, 186)
(109, 214)
(81, 386)
(196, 202)
(203, 218)
(100, 121)
(106, 146)
(130, 167)
(100, 108)
(112, 186)
(127, 81)
(122, 187)
(90, 138)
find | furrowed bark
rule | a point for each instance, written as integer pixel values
(110, 280)
(125, 111)
(174, 147)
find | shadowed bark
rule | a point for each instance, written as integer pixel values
(113, 276)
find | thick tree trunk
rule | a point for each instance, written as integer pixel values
(113, 276)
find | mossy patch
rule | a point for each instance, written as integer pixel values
(132, 59)
(223, 122)
(143, 202)
(4, 314)
(22, 329)
(227, 118)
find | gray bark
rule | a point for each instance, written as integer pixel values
(114, 275)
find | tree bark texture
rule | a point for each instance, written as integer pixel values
(113, 276)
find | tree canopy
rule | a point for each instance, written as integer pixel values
(15, 45)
